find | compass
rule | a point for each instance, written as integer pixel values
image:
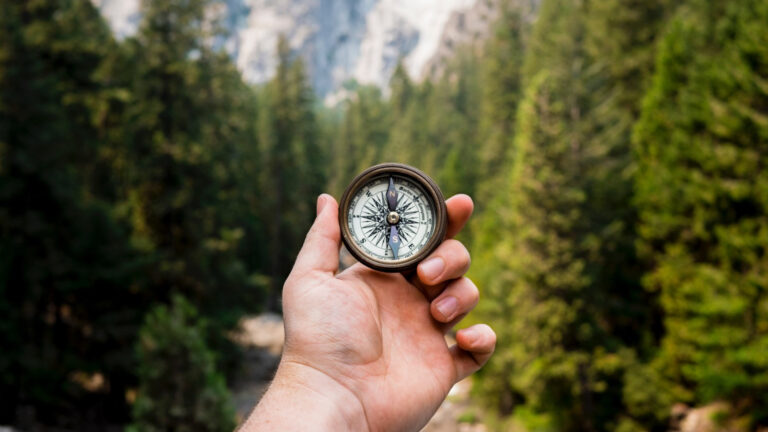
(392, 216)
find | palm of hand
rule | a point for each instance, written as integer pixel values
(373, 333)
(373, 339)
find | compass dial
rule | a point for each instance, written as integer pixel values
(369, 225)
(392, 216)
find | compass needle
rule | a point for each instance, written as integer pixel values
(394, 240)
(392, 195)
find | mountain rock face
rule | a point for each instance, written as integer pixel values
(465, 28)
(468, 29)
(340, 40)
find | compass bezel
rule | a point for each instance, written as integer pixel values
(415, 175)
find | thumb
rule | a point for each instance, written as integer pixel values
(321, 247)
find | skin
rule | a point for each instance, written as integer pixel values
(365, 350)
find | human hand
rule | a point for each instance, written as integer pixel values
(365, 350)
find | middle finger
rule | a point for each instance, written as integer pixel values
(449, 261)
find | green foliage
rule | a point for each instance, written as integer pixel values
(65, 258)
(118, 187)
(501, 92)
(362, 137)
(562, 287)
(550, 287)
(467, 417)
(701, 182)
(293, 168)
(616, 151)
(453, 127)
(184, 121)
(189, 201)
(179, 388)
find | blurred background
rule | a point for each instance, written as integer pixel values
(160, 161)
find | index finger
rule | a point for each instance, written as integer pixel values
(459, 210)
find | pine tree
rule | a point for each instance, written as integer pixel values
(293, 165)
(401, 91)
(166, 161)
(561, 301)
(407, 119)
(701, 182)
(179, 388)
(67, 263)
(500, 70)
(453, 128)
(362, 136)
(188, 119)
(621, 39)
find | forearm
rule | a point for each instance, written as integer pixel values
(301, 398)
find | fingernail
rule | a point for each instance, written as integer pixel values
(447, 307)
(432, 268)
(321, 202)
(471, 333)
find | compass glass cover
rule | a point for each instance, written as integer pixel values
(369, 218)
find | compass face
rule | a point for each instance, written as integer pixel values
(370, 221)
(392, 216)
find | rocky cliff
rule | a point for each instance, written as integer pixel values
(340, 40)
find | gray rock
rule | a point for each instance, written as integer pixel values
(340, 40)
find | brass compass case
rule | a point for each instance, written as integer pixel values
(406, 174)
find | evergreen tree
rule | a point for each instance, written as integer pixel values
(407, 119)
(563, 305)
(293, 166)
(67, 265)
(500, 70)
(165, 159)
(621, 41)
(187, 122)
(453, 143)
(701, 182)
(450, 152)
(361, 138)
(401, 91)
(179, 388)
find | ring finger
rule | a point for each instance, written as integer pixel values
(449, 261)
(458, 299)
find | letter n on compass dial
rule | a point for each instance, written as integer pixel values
(391, 235)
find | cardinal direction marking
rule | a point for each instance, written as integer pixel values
(394, 240)
(392, 197)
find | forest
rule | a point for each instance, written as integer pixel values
(616, 151)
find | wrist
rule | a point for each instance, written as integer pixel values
(302, 397)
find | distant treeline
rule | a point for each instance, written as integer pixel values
(617, 152)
